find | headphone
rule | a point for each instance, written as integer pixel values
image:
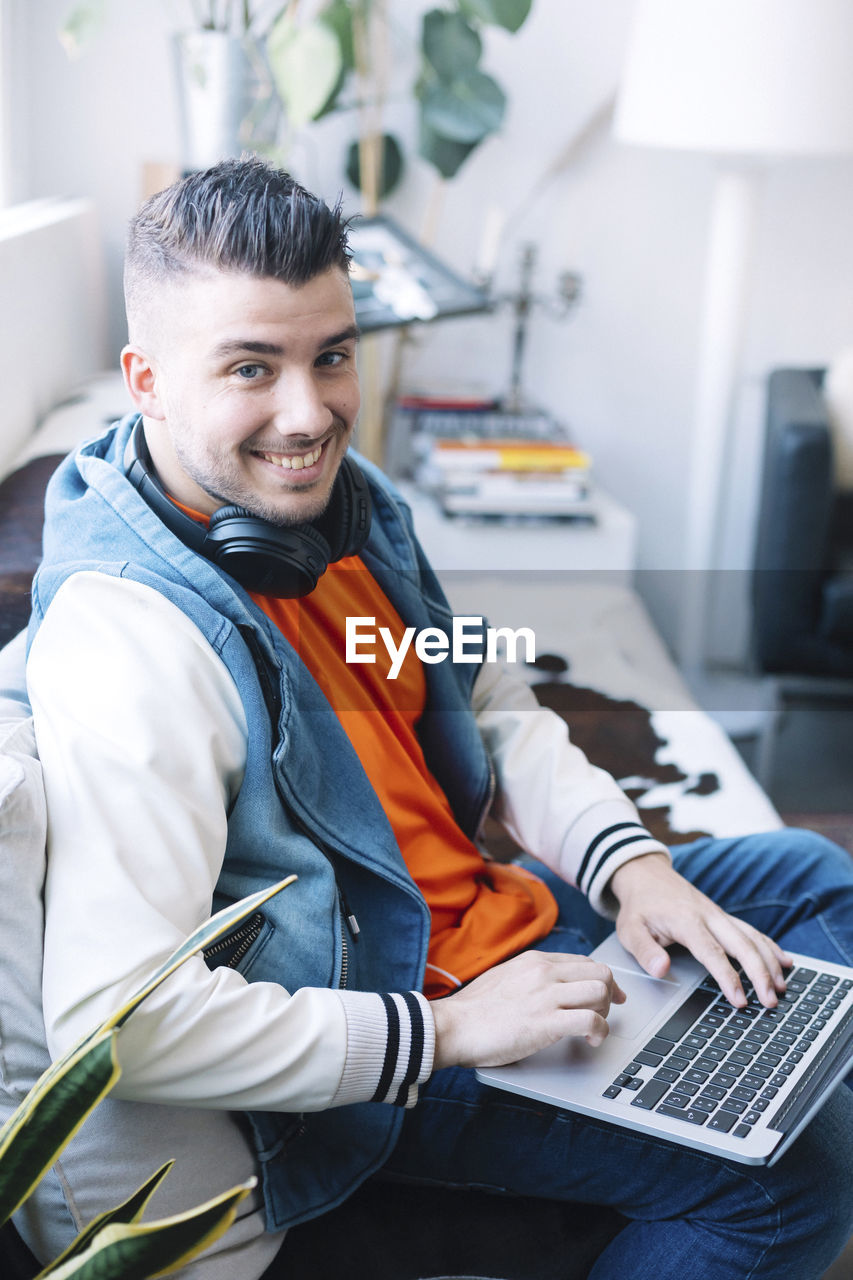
(279, 560)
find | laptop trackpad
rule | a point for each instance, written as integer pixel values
(647, 998)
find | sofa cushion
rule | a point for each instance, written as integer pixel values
(21, 520)
(23, 827)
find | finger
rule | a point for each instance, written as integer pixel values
(593, 995)
(758, 956)
(714, 956)
(637, 938)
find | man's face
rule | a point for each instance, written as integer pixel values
(253, 391)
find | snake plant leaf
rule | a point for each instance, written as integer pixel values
(136, 1250)
(228, 918)
(509, 14)
(465, 111)
(450, 44)
(443, 153)
(306, 63)
(130, 1211)
(50, 1115)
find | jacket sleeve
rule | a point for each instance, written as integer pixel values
(553, 802)
(142, 736)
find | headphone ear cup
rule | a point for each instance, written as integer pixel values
(346, 521)
(275, 560)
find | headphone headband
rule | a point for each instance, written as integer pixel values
(280, 560)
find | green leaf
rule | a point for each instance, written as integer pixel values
(131, 1210)
(446, 155)
(500, 13)
(392, 165)
(450, 45)
(466, 110)
(135, 1251)
(228, 918)
(306, 63)
(50, 1115)
(83, 23)
(339, 17)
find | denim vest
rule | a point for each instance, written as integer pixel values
(305, 804)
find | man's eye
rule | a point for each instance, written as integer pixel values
(250, 372)
(332, 358)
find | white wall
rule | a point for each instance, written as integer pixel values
(633, 222)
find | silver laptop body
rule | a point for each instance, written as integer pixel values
(682, 1064)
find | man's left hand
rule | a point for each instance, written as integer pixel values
(657, 906)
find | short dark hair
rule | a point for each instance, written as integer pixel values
(240, 215)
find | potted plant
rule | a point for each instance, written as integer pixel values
(116, 1245)
(245, 63)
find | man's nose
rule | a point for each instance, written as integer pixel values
(300, 408)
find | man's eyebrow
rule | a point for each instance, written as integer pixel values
(237, 346)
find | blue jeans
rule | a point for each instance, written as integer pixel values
(689, 1213)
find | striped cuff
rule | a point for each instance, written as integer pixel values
(607, 836)
(390, 1047)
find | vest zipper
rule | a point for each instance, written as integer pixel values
(347, 918)
(244, 936)
(487, 803)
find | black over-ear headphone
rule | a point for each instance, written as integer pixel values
(279, 560)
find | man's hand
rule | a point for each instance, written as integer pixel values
(522, 1005)
(657, 906)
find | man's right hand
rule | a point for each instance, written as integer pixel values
(522, 1005)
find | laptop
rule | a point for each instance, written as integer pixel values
(681, 1063)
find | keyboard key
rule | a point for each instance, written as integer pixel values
(744, 1095)
(752, 1081)
(710, 1020)
(691, 1115)
(769, 1092)
(795, 1056)
(804, 975)
(679, 1100)
(755, 1036)
(787, 1068)
(687, 1087)
(621, 1080)
(735, 1105)
(723, 1042)
(742, 1131)
(650, 1095)
(706, 1064)
(677, 1064)
(703, 1104)
(761, 1104)
(650, 1059)
(698, 1077)
(714, 1092)
(659, 1045)
(752, 1117)
(695, 1042)
(778, 1081)
(611, 1092)
(688, 1013)
(722, 1121)
(632, 1069)
(633, 1083)
(741, 1020)
(716, 1055)
(742, 1059)
(664, 1073)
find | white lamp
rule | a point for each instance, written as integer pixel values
(747, 80)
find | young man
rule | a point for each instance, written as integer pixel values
(202, 735)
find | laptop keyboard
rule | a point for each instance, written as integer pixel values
(714, 1065)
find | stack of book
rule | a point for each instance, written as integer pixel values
(510, 476)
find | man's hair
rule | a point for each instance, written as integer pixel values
(241, 215)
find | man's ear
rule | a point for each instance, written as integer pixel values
(140, 378)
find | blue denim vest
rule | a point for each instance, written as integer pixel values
(318, 816)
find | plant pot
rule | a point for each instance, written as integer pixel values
(226, 97)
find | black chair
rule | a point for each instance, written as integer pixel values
(802, 588)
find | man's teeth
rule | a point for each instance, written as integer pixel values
(294, 462)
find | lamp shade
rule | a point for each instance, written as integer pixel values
(759, 77)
